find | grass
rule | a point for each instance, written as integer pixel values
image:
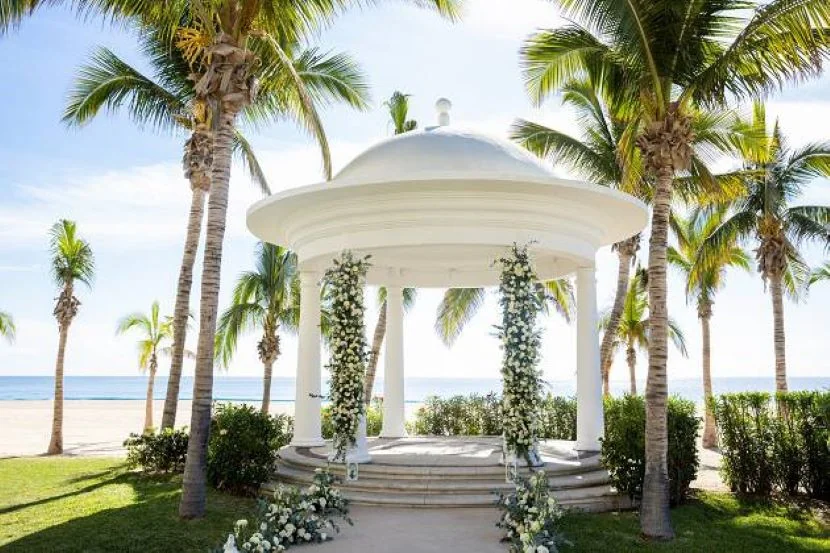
(94, 505)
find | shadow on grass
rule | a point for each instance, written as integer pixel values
(151, 524)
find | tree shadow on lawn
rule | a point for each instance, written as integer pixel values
(149, 525)
(710, 523)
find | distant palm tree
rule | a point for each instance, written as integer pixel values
(398, 106)
(767, 217)
(460, 305)
(72, 261)
(167, 102)
(154, 332)
(7, 328)
(702, 283)
(265, 299)
(632, 330)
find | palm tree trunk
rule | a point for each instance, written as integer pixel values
(606, 349)
(56, 441)
(148, 403)
(776, 289)
(654, 512)
(710, 435)
(182, 309)
(194, 490)
(266, 386)
(371, 367)
(631, 357)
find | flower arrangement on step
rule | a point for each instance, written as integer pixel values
(349, 351)
(530, 517)
(294, 516)
(520, 341)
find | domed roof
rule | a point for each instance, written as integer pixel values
(442, 152)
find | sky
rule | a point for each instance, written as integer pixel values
(124, 187)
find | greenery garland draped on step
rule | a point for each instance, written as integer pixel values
(520, 341)
(349, 351)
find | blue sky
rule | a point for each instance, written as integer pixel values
(125, 189)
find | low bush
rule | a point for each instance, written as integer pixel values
(558, 418)
(781, 446)
(623, 447)
(165, 451)
(243, 446)
(530, 517)
(374, 420)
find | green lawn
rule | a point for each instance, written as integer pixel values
(94, 505)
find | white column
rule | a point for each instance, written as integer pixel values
(307, 393)
(589, 411)
(393, 392)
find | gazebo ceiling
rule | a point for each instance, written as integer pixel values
(434, 208)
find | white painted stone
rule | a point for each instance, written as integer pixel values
(589, 411)
(394, 417)
(307, 429)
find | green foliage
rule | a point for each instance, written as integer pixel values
(243, 446)
(374, 420)
(558, 418)
(158, 452)
(623, 447)
(72, 258)
(531, 517)
(776, 447)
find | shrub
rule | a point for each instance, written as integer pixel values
(623, 447)
(530, 517)
(746, 439)
(374, 420)
(165, 451)
(558, 418)
(243, 446)
(294, 516)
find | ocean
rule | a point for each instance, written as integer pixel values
(228, 388)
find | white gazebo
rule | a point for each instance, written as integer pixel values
(435, 208)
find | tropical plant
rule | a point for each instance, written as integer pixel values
(398, 106)
(766, 216)
(225, 42)
(265, 299)
(661, 57)
(820, 273)
(458, 306)
(702, 283)
(72, 262)
(167, 102)
(632, 328)
(7, 328)
(154, 332)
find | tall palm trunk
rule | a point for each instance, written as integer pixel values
(776, 291)
(625, 251)
(654, 512)
(631, 358)
(710, 435)
(371, 367)
(182, 309)
(56, 442)
(269, 351)
(226, 80)
(148, 403)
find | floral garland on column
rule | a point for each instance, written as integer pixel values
(520, 340)
(349, 351)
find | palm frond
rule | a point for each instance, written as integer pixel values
(72, 258)
(7, 328)
(242, 148)
(457, 308)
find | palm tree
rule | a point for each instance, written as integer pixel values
(632, 329)
(154, 332)
(821, 273)
(72, 262)
(460, 305)
(265, 299)
(166, 102)
(661, 57)
(398, 106)
(238, 34)
(767, 217)
(702, 283)
(7, 328)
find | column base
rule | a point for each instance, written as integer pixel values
(393, 434)
(308, 442)
(588, 446)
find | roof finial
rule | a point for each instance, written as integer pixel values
(443, 107)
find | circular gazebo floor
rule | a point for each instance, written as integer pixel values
(452, 472)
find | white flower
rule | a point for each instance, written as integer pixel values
(223, 432)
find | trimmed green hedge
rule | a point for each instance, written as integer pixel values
(623, 447)
(775, 446)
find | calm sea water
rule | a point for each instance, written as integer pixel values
(282, 389)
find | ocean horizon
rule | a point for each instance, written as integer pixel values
(417, 389)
